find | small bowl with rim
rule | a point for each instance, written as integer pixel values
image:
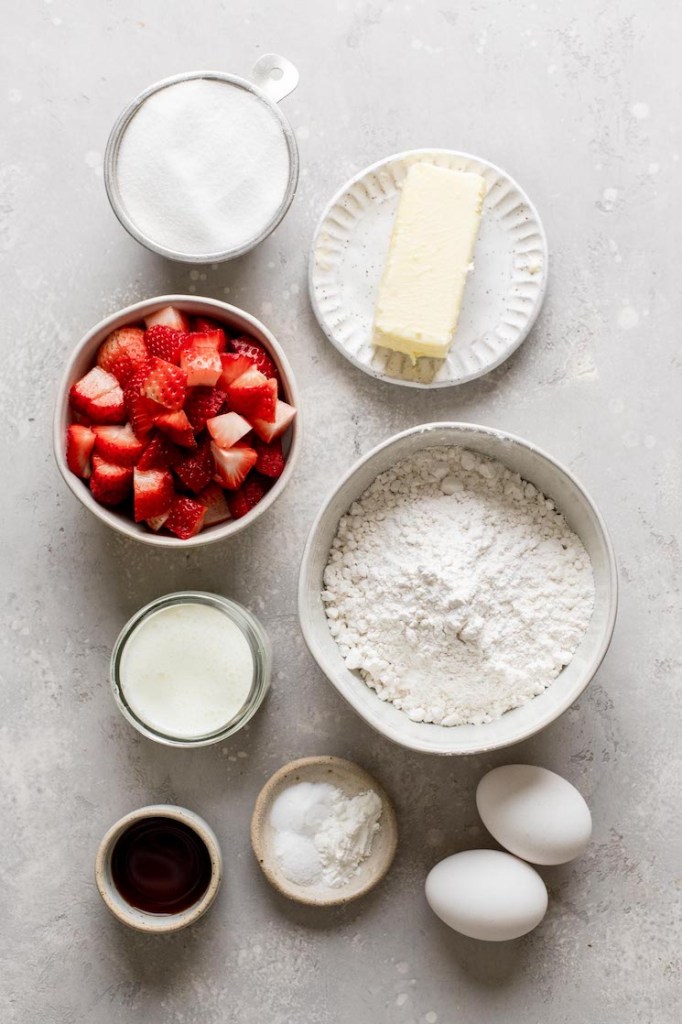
(83, 358)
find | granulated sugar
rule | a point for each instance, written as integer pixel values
(203, 167)
(456, 588)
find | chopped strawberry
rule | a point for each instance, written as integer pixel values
(203, 403)
(205, 323)
(247, 497)
(253, 395)
(213, 339)
(165, 384)
(196, 470)
(271, 459)
(140, 410)
(109, 484)
(98, 396)
(186, 517)
(164, 342)
(233, 464)
(153, 493)
(156, 522)
(118, 444)
(284, 414)
(201, 363)
(217, 510)
(245, 346)
(80, 441)
(123, 353)
(160, 453)
(234, 365)
(169, 316)
(227, 429)
(177, 427)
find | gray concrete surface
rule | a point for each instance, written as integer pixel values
(580, 102)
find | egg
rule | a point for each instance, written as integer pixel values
(487, 894)
(534, 813)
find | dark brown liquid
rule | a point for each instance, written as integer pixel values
(160, 866)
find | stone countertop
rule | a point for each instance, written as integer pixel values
(580, 103)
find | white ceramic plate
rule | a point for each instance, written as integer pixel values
(502, 298)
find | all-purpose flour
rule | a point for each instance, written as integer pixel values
(456, 588)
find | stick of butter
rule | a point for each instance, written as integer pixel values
(431, 248)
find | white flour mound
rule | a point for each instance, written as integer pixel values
(456, 588)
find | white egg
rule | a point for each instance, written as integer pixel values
(534, 813)
(487, 894)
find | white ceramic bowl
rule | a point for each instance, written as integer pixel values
(83, 357)
(582, 516)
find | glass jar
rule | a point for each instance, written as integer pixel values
(258, 645)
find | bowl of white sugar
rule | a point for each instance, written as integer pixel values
(458, 588)
(203, 166)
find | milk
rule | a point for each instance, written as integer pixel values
(186, 670)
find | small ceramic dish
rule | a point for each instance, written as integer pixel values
(581, 514)
(156, 924)
(349, 778)
(503, 295)
(83, 358)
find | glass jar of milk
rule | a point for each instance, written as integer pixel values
(190, 668)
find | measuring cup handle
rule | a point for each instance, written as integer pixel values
(275, 75)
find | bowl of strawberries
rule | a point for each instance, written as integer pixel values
(176, 422)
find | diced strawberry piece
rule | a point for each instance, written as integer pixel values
(234, 365)
(80, 441)
(202, 365)
(153, 493)
(284, 414)
(123, 353)
(217, 510)
(98, 396)
(110, 484)
(118, 445)
(156, 522)
(169, 316)
(247, 497)
(196, 470)
(109, 408)
(271, 459)
(160, 453)
(186, 517)
(177, 427)
(214, 339)
(164, 342)
(140, 410)
(233, 464)
(205, 323)
(245, 346)
(165, 384)
(253, 395)
(227, 429)
(203, 403)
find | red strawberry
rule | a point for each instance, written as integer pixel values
(109, 484)
(118, 445)
(227, 429)
(245, 346)
(169, 316)
(156, 522)
(186, 517)
(165, 384)
(203, 403)
(213, 339)
(234, 365)
(253, 395)
(160, 453)
(217, 511)
(243, 500)
(201, 363)
(98, 396)
(177, 427)
(271, 459)
(140, 410)
(284, 414)
(233, 464)
(153, 493)
(123, 353)
(164, 342)
(79, 444)
(205, 323)
(196, 470)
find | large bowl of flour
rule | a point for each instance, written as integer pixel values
(458, 588)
